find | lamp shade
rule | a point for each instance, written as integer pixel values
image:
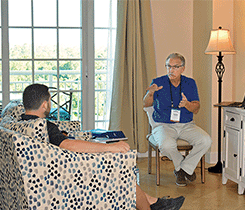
(220, 41)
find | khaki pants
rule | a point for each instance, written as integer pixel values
(166, 135)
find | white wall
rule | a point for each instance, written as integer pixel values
(173, 29)
(174, 26)
(239, 42)
(222, 16)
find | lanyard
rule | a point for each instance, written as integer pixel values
(172, 102)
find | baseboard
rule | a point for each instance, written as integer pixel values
(210, 158)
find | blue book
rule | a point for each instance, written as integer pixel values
(100, 135)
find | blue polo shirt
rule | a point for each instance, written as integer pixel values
(162, 99)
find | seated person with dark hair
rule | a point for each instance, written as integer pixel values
(37, 103)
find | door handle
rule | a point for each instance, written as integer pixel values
(232, 119)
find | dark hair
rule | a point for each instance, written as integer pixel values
(176, 55)
(34, 95)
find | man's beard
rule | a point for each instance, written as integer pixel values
(46, 113)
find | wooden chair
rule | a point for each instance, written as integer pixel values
(182, 145)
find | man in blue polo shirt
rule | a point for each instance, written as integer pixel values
(174, 98)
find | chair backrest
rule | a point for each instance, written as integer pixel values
(12, 191)
(14, 108)
(65, 106)
(149, 111)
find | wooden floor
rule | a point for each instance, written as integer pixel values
(210, 195)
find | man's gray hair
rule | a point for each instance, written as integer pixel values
(176, 55)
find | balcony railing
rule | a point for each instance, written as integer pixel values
(69, 85)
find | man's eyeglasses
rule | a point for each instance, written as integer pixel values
(173, 67)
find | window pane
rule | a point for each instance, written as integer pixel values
(102, 124)
(20, 75)
(114, 14)
(1, 80)
(20, 43)
(101, 43)
(0, 44)
(100, 81)
(105, 13)
(20, 12)
(100, 65)
(69, 42)
(113, 41)
(1, 14)
(72, 11)
(45, 43)
(46, 73)
(101, 113)
(76, 106)
(45, 13)
(104, 45)
(70, 75)
(15, 96)
(51, 42)
(105, 41)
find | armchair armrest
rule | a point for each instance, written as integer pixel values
(73, 128)
(12, 191)
(68, 126)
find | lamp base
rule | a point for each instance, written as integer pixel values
(216, 169)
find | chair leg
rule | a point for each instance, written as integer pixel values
(157, 167)
(149, 158)
(203, 168)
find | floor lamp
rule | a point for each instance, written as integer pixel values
(219, 44)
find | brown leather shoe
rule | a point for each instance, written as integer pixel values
(180, 178)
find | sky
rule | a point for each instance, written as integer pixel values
(45, 15)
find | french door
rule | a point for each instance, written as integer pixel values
(65, 44)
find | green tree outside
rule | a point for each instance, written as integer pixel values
(70, 73)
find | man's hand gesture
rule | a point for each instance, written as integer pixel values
(148, 99)
(184, 101)
(153, 88)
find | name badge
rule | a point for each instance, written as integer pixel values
(175, 115)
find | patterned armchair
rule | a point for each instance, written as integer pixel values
(38, 175)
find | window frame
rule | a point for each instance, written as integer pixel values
(88, 59)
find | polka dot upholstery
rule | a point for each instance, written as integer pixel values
(61, 179)
(14, 109)
(81, 135)
(40, 175)
(73, 128)
(35, 128)
(7, 119)
(68, 126)
(12, 191)
(54, 178)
